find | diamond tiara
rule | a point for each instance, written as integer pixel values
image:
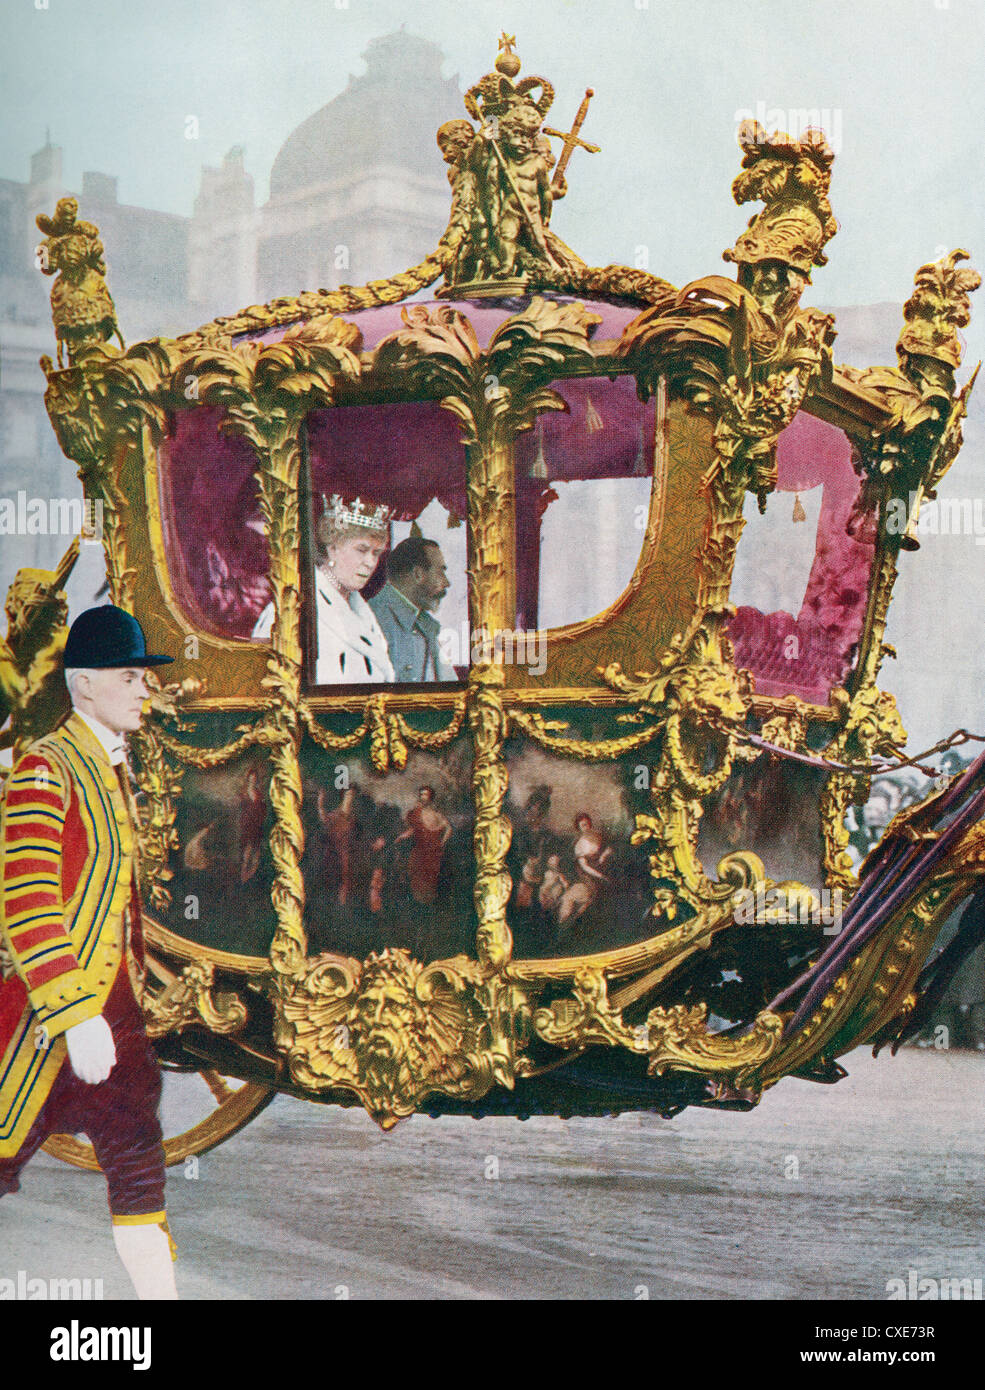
(357, 513)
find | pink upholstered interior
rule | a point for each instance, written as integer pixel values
(829, 624)
(406, 454)
(401, 453)
(606, 432)
(217, 562)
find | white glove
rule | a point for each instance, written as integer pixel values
(91, 1049)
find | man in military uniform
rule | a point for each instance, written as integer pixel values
(74, 1054)
(416, 582)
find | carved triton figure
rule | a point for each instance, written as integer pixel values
(81, 305)
(32, 693)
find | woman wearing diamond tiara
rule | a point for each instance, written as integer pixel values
(350, 540)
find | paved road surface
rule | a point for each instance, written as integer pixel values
(822, 1192)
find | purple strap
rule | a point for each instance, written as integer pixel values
(892, 879)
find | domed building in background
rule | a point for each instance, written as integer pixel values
(356, 192)
(359, 189)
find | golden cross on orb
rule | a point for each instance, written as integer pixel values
(506, 42)
(571, 140)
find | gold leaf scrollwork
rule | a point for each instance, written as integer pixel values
(82, 308)
(379, 732)
(494, 395)
(493, 832)
(160, 785)
(746, 352)
(699, 699)
(587, 1017)
(266, 390)
(392, 1030)
(155, 816)
(671, 1039)
(258, 735)
(390, 735)
(904, 463)
(871, 725)
(395, 1031)
(32, 694)
(678, 1038)
(335, 743)
(870, 999)
(787, 728)
(547, 733)
(188, 999)
(438, 738)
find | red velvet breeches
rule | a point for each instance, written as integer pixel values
(119, 1114)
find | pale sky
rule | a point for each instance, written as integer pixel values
(900, 81)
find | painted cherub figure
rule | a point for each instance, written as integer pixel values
(554, 884)
(82, 307)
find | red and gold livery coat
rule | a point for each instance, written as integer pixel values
(67, 843)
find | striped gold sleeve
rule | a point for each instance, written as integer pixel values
(32, 919)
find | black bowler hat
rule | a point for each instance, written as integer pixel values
(107, 636)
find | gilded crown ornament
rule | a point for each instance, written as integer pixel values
(342, 513)
(496, 94)
(503, 186)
